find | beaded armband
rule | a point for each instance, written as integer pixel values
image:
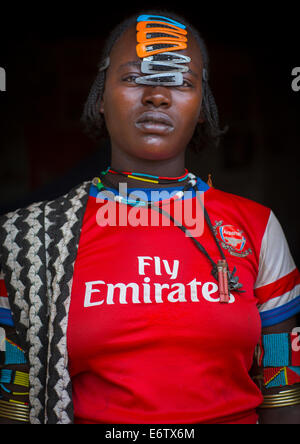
(14, 410)
(278, 358)
(11, 405)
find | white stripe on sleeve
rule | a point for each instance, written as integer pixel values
(275, 259)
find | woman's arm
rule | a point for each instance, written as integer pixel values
(282, 415)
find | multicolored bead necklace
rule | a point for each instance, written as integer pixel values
(149, 177)
(187, 178)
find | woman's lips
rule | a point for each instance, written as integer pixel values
(155, 122)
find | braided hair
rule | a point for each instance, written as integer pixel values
(206, 134)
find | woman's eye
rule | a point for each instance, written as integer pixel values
(130, 78)
(186, 83)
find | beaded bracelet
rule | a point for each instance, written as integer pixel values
(14, 410)
(278, 360)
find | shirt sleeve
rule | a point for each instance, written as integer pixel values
(5, 312)
(277, 287)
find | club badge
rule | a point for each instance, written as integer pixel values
(231, 239)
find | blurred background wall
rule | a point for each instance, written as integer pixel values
(50, 55)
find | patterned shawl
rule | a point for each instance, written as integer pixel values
(38, 248)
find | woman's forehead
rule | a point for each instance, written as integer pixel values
(124, 49)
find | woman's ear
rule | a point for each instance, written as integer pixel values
(201, 118)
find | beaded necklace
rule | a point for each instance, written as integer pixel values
(220, 270)
(149, 177)
(184, 179)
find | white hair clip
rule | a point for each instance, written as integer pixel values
(161, 79)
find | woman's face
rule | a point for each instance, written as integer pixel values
(172, 113)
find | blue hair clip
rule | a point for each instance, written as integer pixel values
(160, 18)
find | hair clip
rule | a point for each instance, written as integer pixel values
(156, 67)
(146, 49)
(173, 57)
(161, 18)
(159, 27)
(163, 79)
(155, 45)
(159, 36)
(204, 75)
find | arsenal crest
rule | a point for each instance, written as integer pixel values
(231, 239)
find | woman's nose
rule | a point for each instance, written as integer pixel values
(157, 96)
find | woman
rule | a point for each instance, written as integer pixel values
(129, 308)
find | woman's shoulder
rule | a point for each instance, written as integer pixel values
(235, 200)
(238, 211)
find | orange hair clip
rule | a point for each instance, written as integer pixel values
(141, 26)
(148, 48)
(142, 36)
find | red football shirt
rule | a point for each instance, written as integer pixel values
(148, 339)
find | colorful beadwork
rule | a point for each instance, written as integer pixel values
(12, 392)
(281, 376)
(14, 354)
(97, 182)
(277, 350)
(142, 179)
(279, 355)
(142, 176)
(8, 376)
(191, 181)
(21, 378)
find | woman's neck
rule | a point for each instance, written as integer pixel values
(174, 167)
